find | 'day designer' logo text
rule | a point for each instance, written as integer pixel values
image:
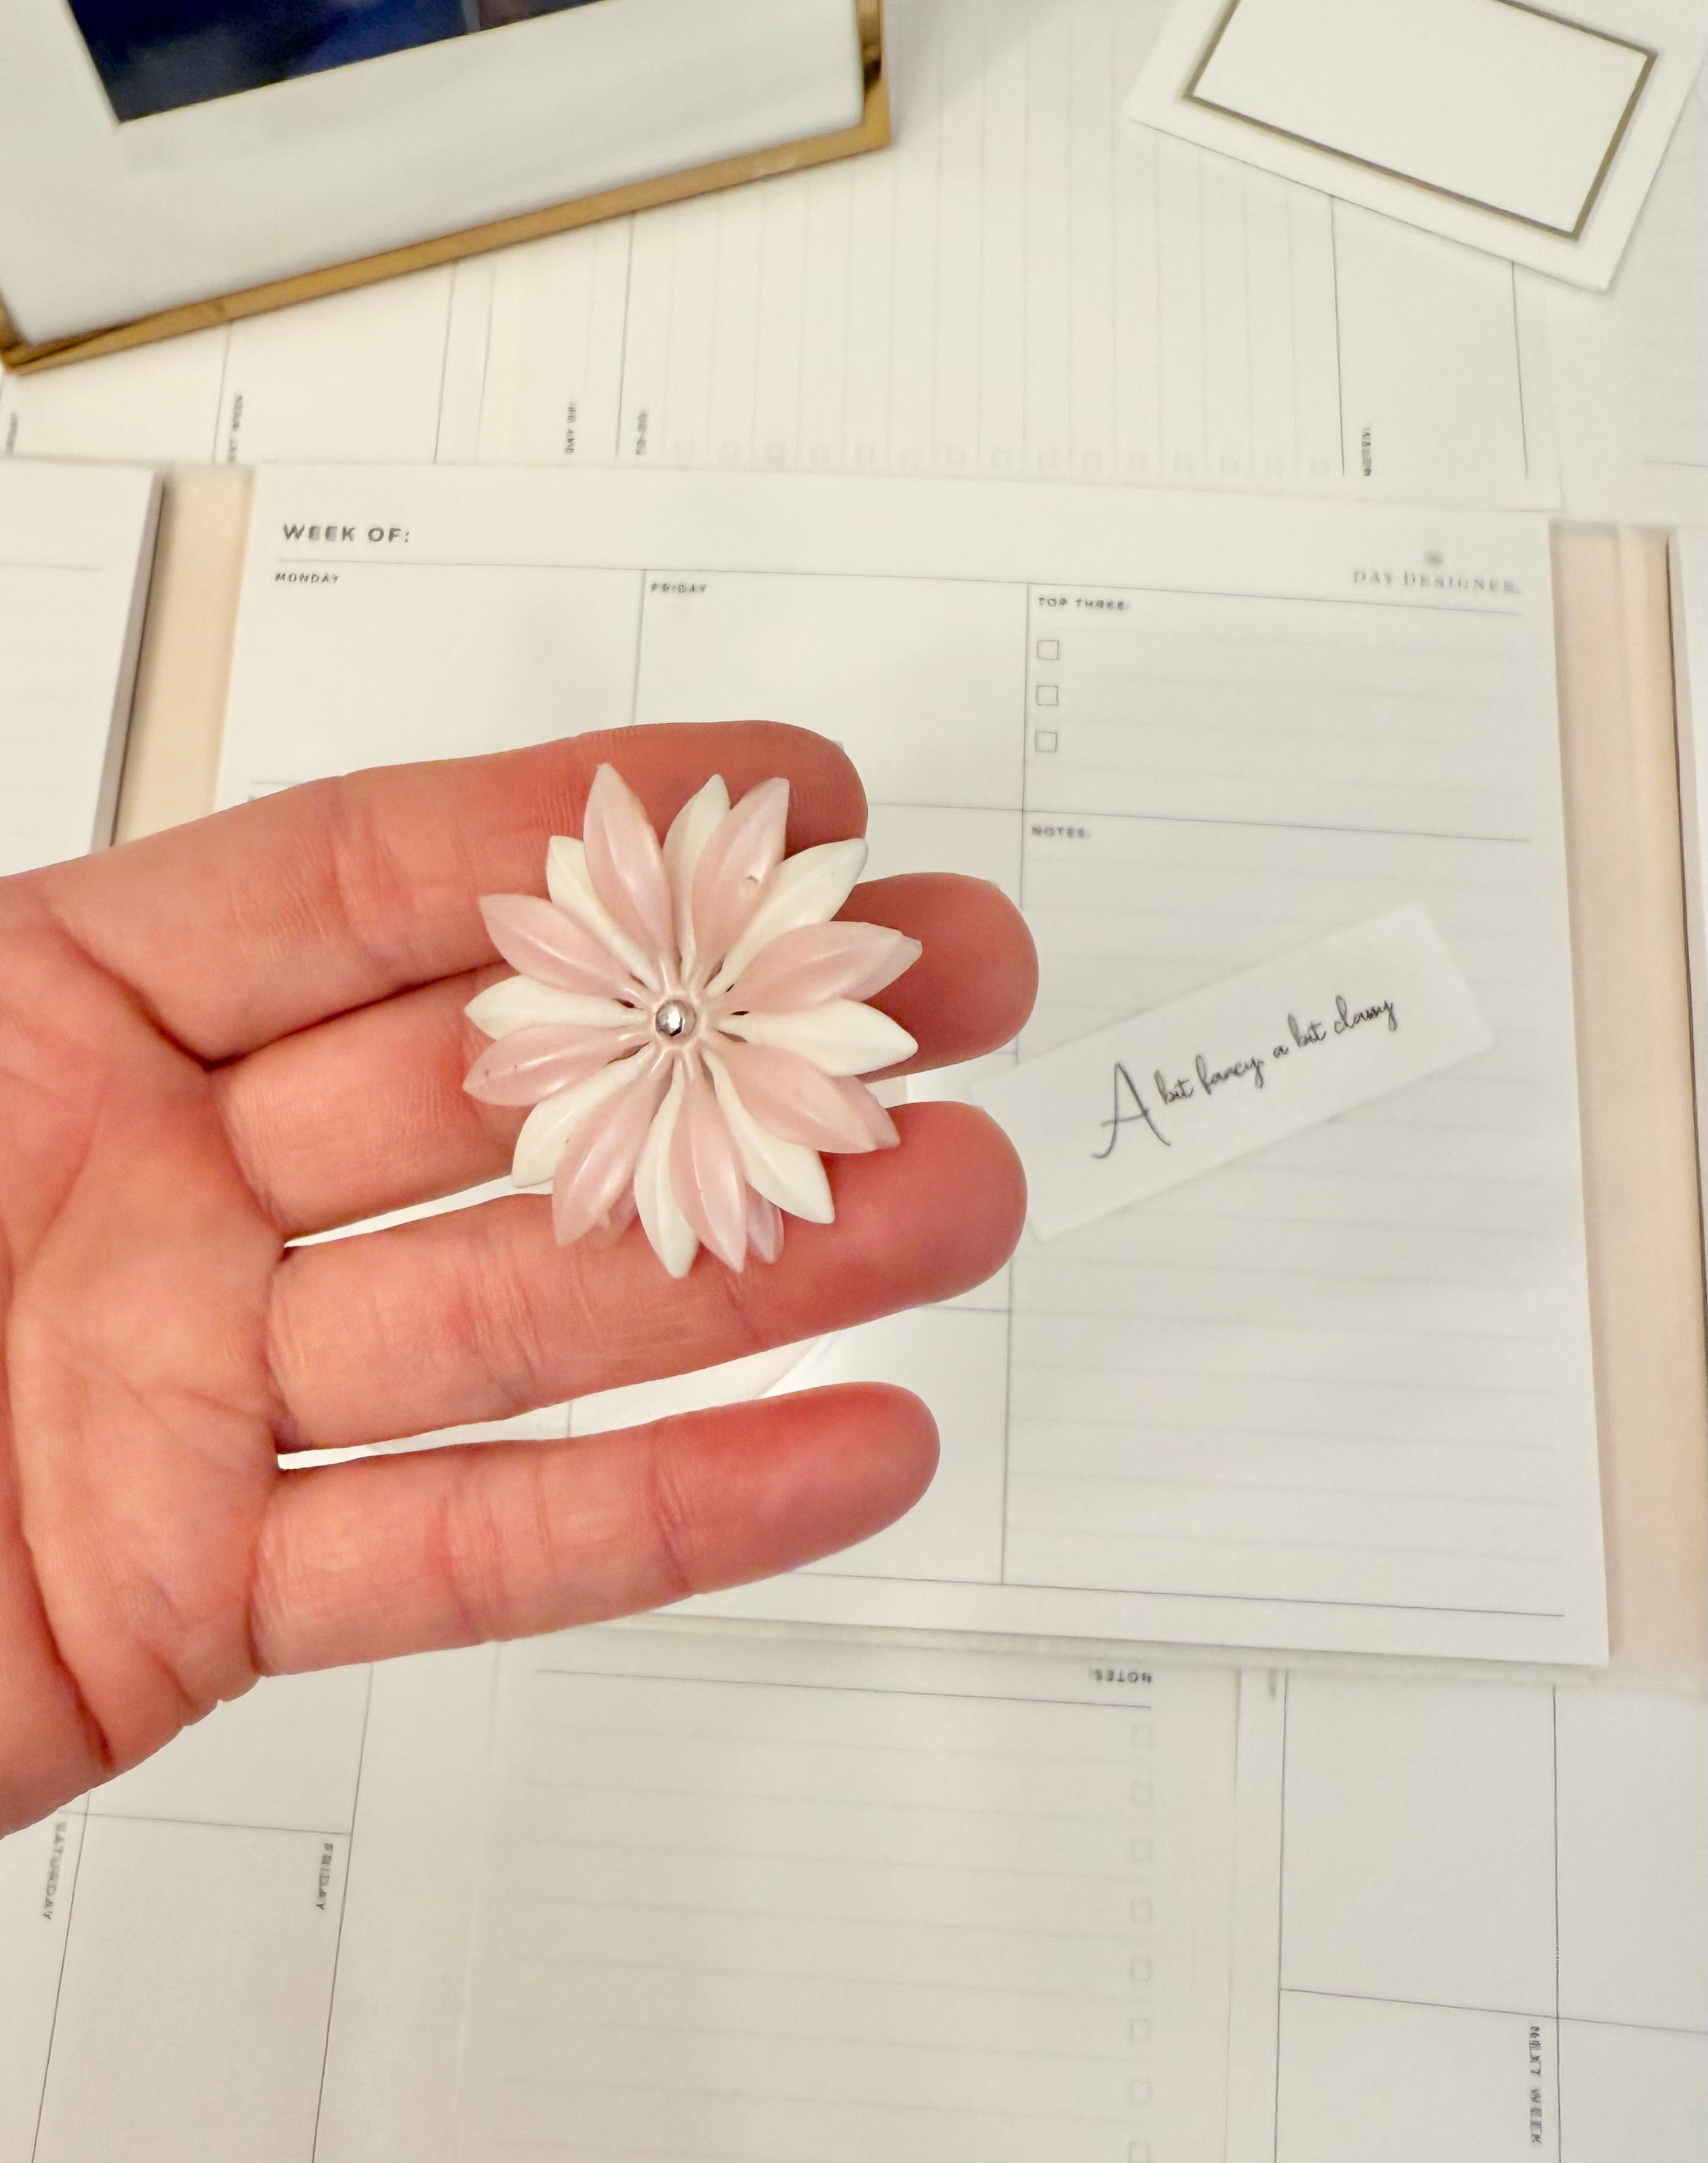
(1434, 574)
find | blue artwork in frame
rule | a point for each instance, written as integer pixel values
(158, 55)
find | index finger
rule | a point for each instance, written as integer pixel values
(262, 919)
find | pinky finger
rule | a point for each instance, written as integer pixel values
(453, 1547)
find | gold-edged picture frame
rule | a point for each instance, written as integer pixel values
(871, 132)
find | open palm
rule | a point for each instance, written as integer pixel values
(219, 1041)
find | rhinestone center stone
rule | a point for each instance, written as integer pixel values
(674, 1020)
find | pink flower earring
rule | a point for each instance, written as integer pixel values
(687, 1024)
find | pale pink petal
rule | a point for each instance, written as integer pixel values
(626, 863)
(870, 1112)
(842, 1036)
(532, 1063)
(548, 1126)
(706, 1173)
(787, 1173)
(764, 1228)
(610, 1229)
(799, 1101)
(597, 1168)
(820, 962)
(734, 866)
(866, 1108)
(550, 947)
(806, 889)
(690, 829)
(674, 1239)
(570, 885)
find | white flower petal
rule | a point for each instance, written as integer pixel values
(571, 888)
(840, 1037)
(550, 1124)
(691, 829)
(672, 1237)
(519, 1003)
(787, 1173)
(807, 888)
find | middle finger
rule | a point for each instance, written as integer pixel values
(367, 1112)
(477, 1315)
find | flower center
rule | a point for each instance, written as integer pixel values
(674, 1020)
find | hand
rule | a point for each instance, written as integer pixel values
(219, 1040)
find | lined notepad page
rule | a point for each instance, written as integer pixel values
(1473, 1922)
(77, 543)
(687, 1895)
(1023, 285)
(758, 1899)
(1338, 1394)
(651, 1894)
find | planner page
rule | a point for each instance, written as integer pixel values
(76, 546)
(1023, 284)
(1335, 1392)
(168, 1943)
(1472, 1921)
(642, 1893)
(758, 1898)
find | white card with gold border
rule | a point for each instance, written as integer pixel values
(1531, 132)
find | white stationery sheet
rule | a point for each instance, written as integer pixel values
(76, 546)
(1021, 285)
(1501, 106)
(611, 1894)
(168, 1943)
(1533, 133)
(642, 1893)
(766, 1897)
(1233, 1068)
(1628, 369)
(1335, 1394)
(1472, 1921)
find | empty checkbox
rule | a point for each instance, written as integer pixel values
(1045, 740)
(1050, 649)
(1049, 694)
